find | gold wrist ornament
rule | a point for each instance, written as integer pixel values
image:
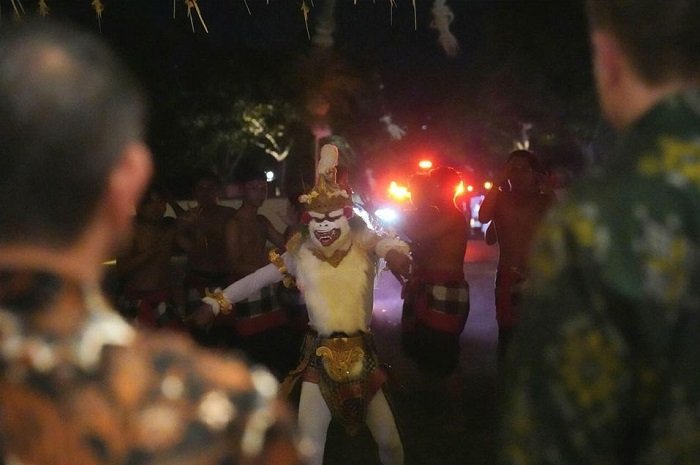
(225, 305)
(277, 260)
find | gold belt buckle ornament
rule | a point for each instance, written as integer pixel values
(342, 358)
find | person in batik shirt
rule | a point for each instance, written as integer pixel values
(605, 364)
(78, 384)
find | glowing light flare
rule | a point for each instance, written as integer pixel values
(460, 189)
(488, 185)
(425, 164)
(459, 199)
(398, 192)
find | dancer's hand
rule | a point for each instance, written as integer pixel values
(398, 263)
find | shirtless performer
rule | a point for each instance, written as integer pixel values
(516, 209)
(248, 232)
(200, 233)
(333, 264)
(144, 267)
(436, 297)
(260, 322)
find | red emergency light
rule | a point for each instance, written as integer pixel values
(398, 192)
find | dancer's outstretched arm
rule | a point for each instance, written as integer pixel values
(248, 285)
(222, 301)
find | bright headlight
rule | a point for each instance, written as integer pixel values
(388, 215)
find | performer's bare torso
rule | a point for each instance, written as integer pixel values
(205, 228)
(517, 218)
(247, 235)
(154, 273)
(439, 240)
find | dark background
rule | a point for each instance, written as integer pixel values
(520, 61)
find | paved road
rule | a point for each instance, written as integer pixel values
(434, 431)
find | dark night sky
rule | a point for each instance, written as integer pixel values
(519, 59)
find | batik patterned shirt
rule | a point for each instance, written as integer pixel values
(89, 389)
(605, 366)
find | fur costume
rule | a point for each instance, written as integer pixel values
(333, 265)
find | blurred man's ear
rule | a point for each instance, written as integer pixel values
(611, 71)
(607, 59)
(127, 183)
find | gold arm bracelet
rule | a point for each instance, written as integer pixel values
(225, 305)
(277, 260)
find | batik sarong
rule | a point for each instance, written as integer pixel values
(436, 307)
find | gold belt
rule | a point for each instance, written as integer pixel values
(342, 357)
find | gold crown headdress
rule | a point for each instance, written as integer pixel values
(326, 196)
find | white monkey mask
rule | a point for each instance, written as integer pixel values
(328, 207)
(329, 231)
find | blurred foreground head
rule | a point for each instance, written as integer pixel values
(71, 158)
(643, 50)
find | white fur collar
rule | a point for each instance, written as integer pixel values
(339, 299)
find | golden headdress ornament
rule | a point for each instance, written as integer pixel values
(326, 196)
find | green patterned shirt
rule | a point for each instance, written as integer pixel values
(605, 366)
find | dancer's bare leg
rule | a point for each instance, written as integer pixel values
(314, 418)
(381, 423)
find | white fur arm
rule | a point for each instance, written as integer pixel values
(387, 243)
(244, 287)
